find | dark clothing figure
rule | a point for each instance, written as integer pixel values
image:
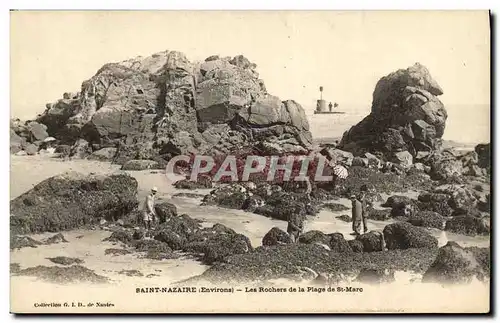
(359, 213)
(330, 106)
(295, 226)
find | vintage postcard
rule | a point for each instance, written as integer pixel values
(250, 162)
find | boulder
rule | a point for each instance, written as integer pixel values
(406, 115)
(315, 236)
(403, 158)
(468, 225)
(281, 205)
(446, 169)
(225, 245)
(165, 211)
(455, 264)
(138, 165)
(17, 143)
(276, 236)
(338, 156)
(460, 196)
(403, 209)
(338, 243)
(356, 245)
(231, 196)
(120, 236)
(202, 182)
(428, 219)
(37, 131)
(372, 241)
(402, 235)
(395, 200)
(72, 200)
(484, 155)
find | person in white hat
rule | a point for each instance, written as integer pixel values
(149, 208)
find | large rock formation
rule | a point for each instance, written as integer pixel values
(164, 105)
(72, 200)
(406, 115)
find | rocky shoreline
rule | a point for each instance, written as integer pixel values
(141, 113)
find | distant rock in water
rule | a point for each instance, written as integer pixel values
(164, 105)
(406, 117)
(72, 200)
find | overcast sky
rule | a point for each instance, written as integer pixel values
(296, 52)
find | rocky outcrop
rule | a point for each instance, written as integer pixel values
(276, 236)
(403, 235)
(455, 264)
(406, 117)
(72, 200)
(165, 105)
(299, 261)
(469, 225)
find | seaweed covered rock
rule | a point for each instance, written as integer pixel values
(315, 236)
(120, 236)
(460, 197)
(19, 242)
(64, 275)
(338, 243)
(231, 196)
(356, 245)
(468, 225)
(165, 210)
(402, 235)
(292, 260)
(221, 246)
(65, 261)
(72, 200)
(372, 241)
(56, 238)
(280, 205)
(201, 182)
(455, 264)
(484, 155)
(154, 249)
(396, 200)
(428, 219)
(276, 236)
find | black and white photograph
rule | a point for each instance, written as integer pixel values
(250, 161)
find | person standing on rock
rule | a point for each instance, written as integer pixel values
(358, 214)
(149, 208)
(295, 226)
